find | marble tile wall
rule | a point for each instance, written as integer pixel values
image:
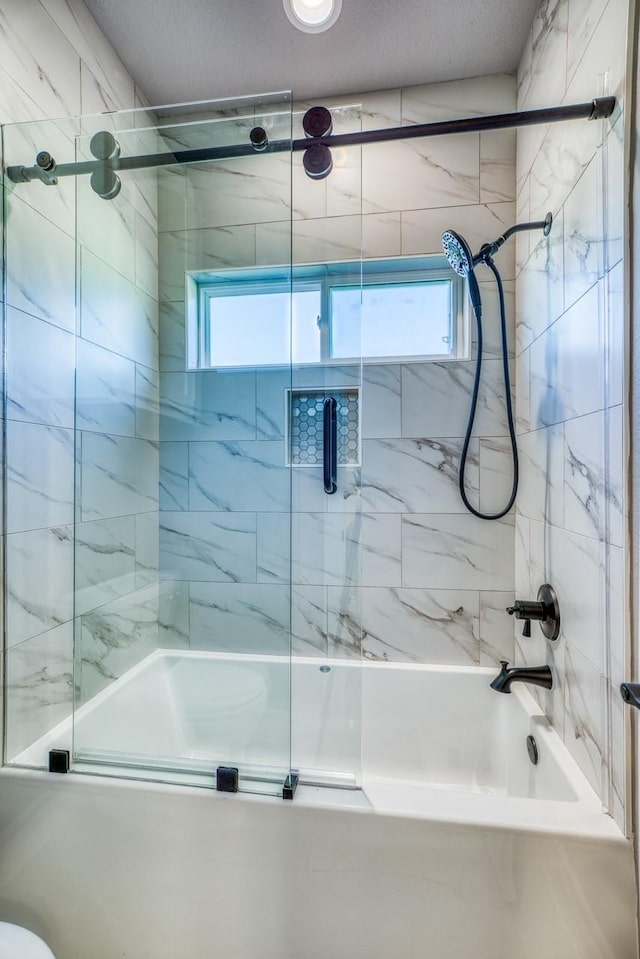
(391, 567)
(99, 363)
(570, 378)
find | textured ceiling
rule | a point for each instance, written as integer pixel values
(180, 50)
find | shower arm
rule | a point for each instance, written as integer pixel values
(490, 249)
(104, 166)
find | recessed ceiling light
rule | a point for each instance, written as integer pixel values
(312, 16)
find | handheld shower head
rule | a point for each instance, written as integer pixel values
(458, 252)
(463, 262)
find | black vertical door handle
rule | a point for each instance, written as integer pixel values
(330, 444)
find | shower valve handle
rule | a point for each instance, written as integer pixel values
(527, 610)
(544, 610)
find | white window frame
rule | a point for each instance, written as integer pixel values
(204, 287)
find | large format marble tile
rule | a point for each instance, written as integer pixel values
(254, 189)
(523, 392)
(44, 285)
(617, 655)
(585, 480)
(583, 17)
(208, 547)
(548, 63)
(146, 255)
(497, 641)
(522, 557)
(172, 199)
(615, 318)
(540, 293)
(583, 239)
(113, 638)
(345, 549)
(344, 186)
(601, 64)
(564, 154)
(119, 475)
(39, 581)
(422, 229)
(216, 248)
(416, 475)
(174, 476)
(39, 687)
(436, 399)
(40, 476)
(415, 625)
(274, 547)
(309, 620)
(116, 315)
(147, 548)
(105, 391)
(172, 336)
(309, 241)
(459, 98)
(567, 365)
(451, 551)
(249, 475)
(436, 172)
(41, 61)
(104, 561)
(94, 97)
(72, 17)
(381, 400)
(308, 197)
(615, 205)
(541, 488)
(207, 405)
(107, 229)
(173, 614)
(271, 402)
(497, 166)
(382, 234)
(615, 504)
(240, 617)
(147, 403)
(583, 715)
(40, 371)
(523, 206)
(618, 762)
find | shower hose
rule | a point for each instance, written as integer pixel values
(474, 404)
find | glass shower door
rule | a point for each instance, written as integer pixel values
(183, 486)
(328, 526)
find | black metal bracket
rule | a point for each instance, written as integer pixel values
(59, 760)
(290, 784)
(227, 779)
(630, 692)
(315, 145)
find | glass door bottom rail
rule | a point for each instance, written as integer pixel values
(182, 711)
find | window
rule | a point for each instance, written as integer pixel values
(380, 311)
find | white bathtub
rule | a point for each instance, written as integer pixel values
(454, 844)
(426, 741)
